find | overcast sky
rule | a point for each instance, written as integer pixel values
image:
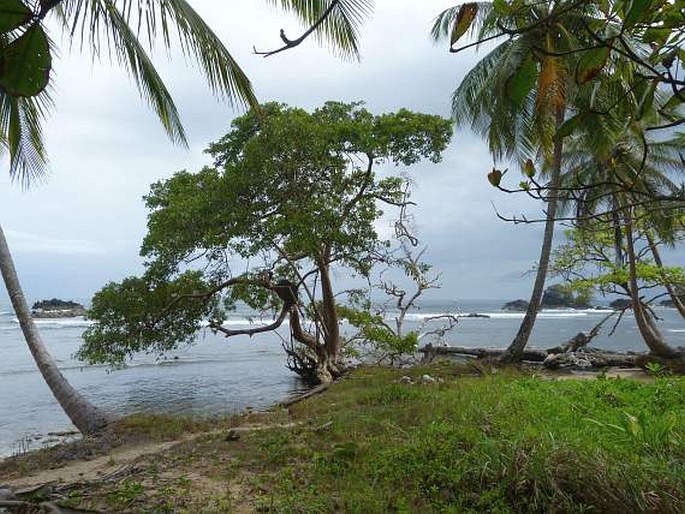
(82, 227)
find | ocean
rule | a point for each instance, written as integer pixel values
(219, 376)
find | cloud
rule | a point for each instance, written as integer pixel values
(22, 242)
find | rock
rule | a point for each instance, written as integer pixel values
(427, 379)
(559, 296)
(405, 379)
(516, 306)
(475, 315)
(56, 308)
(620, 304)
(232, 435)
(6, 493)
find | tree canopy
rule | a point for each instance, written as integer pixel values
(291, 193)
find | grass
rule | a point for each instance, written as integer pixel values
(498, 442)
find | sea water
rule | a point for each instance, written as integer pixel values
(218, 375)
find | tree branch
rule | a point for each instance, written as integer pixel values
(292, 43)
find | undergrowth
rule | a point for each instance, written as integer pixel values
(496, 442)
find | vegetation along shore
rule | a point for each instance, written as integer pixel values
(444, 438)
(304, 213)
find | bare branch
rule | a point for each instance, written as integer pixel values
(292, 43)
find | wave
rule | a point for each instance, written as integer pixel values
(677, 330)
(242, 322)
(74, 366)
(548, 313)
(79, 321)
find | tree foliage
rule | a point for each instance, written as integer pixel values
(292, 193)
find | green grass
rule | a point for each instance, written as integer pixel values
(496, 443)
(476, 441)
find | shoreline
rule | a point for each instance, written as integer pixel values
(282, 457)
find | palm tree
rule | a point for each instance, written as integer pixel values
(25, 50)
(20, 120)
(610, 172)
(517, 98)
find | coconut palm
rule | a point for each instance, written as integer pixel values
(20, 121)
(517, 97)
(113, 28)
(610, 173)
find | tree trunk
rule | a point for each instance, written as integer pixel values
(648, 329)
(515, 350)
(669, 287)
(330, 313)
(83, 414)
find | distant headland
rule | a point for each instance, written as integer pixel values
(56, 308)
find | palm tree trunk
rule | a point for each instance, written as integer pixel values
(83, 414)
(648, 330)
(515, 350)
(678, 304)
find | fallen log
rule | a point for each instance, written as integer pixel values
(563, 355)
(431, 352)
(583, 358)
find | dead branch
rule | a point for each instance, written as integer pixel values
(292, 43)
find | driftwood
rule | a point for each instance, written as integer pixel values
(572, 353)
(312, 392)
(579, 358)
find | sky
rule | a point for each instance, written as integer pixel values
(82, 226)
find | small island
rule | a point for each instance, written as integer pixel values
(555, 296)
(516, 306)
(56, 308)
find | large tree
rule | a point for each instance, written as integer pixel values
(120, 30)
(293, 194)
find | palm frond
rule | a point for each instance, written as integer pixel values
(22, 137)
(131, 54)
(341, 28)
(444, 23)
(88, 20)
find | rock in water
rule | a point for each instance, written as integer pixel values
(516, 306)
(56, 308)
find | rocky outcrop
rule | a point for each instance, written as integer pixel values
(56, 308)
(516, 306)
(557, 296)
(620, 304)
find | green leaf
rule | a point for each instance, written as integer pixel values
(501, 7)
(647, 101)
(569, 126)
(656, 35)
(13, 14)
(674, 101)
(521, 83)
(592, 62)
(637, 12)
(25, 63)
(467, 13)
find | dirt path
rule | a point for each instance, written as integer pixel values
(118, 460)
(80, 470)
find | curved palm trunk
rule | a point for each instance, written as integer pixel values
(85, 416)
(677, 303)
(648, 330)
(514, 352)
